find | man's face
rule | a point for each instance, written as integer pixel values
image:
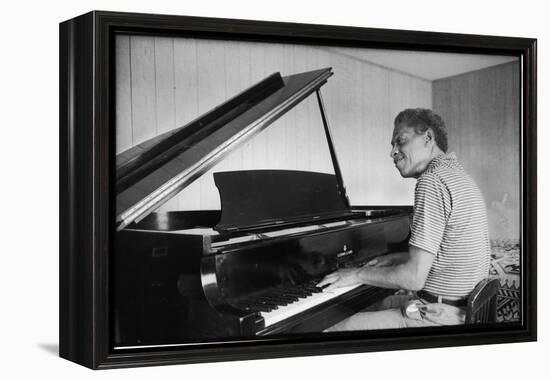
(411, 151)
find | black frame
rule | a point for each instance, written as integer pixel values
(86, 168)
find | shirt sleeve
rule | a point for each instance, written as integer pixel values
(430, 214)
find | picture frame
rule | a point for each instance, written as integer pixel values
(87, 181)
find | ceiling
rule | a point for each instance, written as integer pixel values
(425, 65)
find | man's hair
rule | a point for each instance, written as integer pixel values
(421, 119)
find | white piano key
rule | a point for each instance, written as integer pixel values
(303, 304)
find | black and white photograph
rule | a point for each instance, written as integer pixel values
(267, 189)
(274, 190)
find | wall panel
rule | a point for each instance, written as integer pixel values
(186, 88)
(144, 90)
(481, 110)
(123, 95)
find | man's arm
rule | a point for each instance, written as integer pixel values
(389, 259)
(410, 274)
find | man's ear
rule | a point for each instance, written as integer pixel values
(429, 136)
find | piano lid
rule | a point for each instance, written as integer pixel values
(154, 171)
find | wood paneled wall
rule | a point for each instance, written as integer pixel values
(163, 83)
(481, 110)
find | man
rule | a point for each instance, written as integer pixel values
(448, 250)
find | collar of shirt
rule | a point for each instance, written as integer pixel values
(448, 159)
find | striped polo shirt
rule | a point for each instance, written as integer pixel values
(450, 221)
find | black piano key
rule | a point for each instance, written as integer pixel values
(285, 298)
(311, 284)
(279, 301)
(302, 292)
(285, 294)
(268, 303)
(295, 292)
(291, 293)
(244, 307)
(314, 288)
(305, 288)
(258, 304)
(278, 296)
(288, 299)
(256, 307)
(262, 307)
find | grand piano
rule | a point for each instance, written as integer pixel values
(249, 269)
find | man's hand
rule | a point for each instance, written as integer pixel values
(340, 278)
(408, 270)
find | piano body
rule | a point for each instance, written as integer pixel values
(248, 269)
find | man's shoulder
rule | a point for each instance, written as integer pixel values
(432, 184)
(443, 170)
(429, 178)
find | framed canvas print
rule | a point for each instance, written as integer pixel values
(238, 189)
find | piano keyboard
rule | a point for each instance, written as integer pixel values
(283, 303)
(303, 304)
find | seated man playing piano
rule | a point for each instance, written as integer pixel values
(448, 250)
